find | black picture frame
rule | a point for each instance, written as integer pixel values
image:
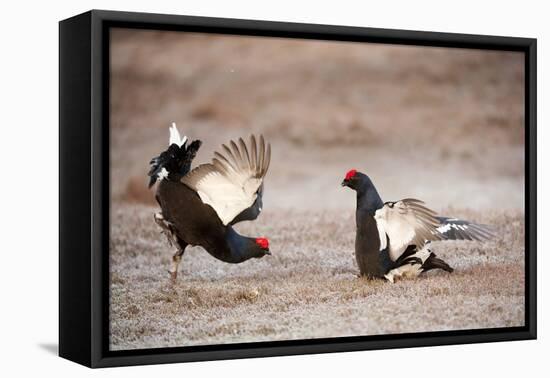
(84, 187)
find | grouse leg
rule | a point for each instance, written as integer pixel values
(166, 228)
(176, 259)
(174, 241)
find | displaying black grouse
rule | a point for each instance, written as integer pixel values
(391, 237)
(200, 206)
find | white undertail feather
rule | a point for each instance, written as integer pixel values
(409, 270)
(162, 174)
(175, 137)
(404, 271)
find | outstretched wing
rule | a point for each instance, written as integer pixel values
(253, 211)
(406, 222)
(458, 229)
(232, 182)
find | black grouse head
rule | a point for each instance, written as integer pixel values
(260, 247)
(175, 162)
(357, 181)
(368, 198)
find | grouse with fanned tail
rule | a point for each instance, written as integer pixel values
(200, 206)
(391, 238)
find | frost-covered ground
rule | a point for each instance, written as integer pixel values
(307, 288)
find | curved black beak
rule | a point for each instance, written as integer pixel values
(345, 182)
(267, 252)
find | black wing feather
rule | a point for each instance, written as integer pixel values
(458, 229)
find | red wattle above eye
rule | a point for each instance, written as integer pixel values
(263, 243)
(350, 174)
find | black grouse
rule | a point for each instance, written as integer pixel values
(391, 237)
(200, 206)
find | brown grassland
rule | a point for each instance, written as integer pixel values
(307, 289)
(442, 125)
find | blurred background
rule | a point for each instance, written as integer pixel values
(443, 125)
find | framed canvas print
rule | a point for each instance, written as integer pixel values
(234, 188)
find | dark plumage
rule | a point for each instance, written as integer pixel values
(176, 160)
(434, 262)
(371, 262)
(200, 206)
(391, 236)
(195, 223)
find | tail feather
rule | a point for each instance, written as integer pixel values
(434, 262)
(190, 154)
(175, 160)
